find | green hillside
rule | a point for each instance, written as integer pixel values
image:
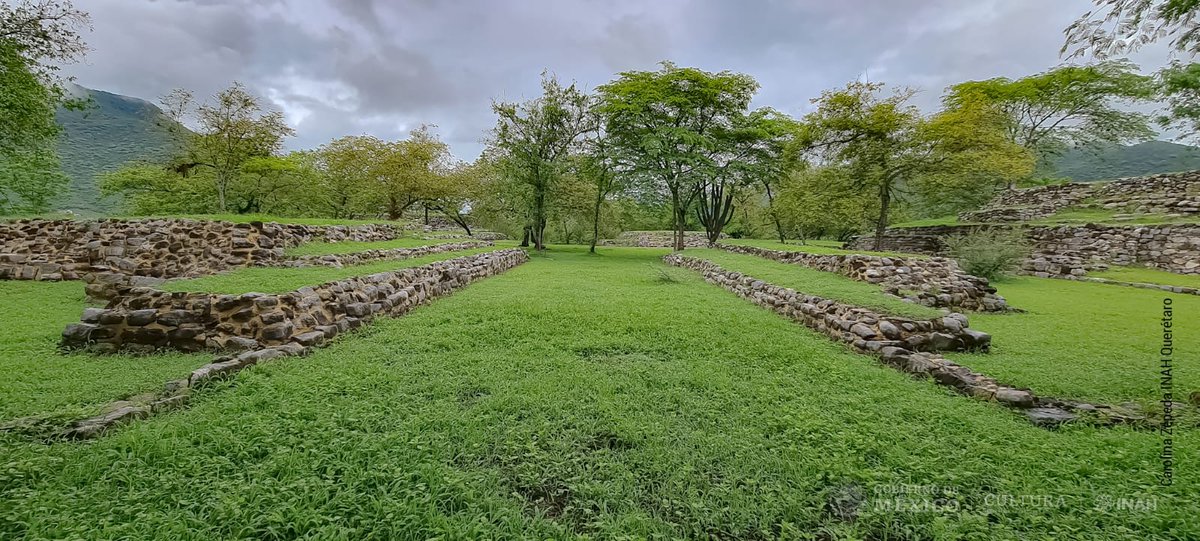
(1127, 161)
(111, 131)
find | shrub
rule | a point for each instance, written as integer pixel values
(989, 253)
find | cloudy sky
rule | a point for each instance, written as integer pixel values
(383, 67)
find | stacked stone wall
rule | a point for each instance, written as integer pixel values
(1172, 194)
(935, 281)
(367, 256)
(147, 319)
(658, 239)
(156, 248)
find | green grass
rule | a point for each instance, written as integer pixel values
(579, 395)
(1086, 340)
(246, 218)
(823, 247)
(325, 248)
(282, 280)
(1090, 215)
(1147, 275)
(37, 379)
(941, 220)
(815, 282)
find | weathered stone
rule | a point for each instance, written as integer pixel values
(1015, 397)
(138, 318)
(1049, 417)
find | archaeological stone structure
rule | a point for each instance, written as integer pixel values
(935, 281)
(145, 318)
(156, 248)
(657, 239)
(1172, 194)
(908, 345)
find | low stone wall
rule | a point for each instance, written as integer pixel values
(147, 319)
(1070, 249)
(367, 256)
(907, 345)
(658, 239)
(1174, 194)
(863, 329)
(935, 282)
(156, 248)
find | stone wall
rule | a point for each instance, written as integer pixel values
(156, 248)
(658, 239)
(863, 329)
(367, 256)
(907, 345)
(147, 319)
(1173, 194)
(1071, 249)
(931, 282)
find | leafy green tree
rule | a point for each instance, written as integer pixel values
(148, 188)
(405, 172)
(823, 202)
(457, 191)
(668, 128)
(1068, 106)
(35, 38)
(344, 174)
(230, 130)
(1181, 91)
(1119, 27)
(884, 144)
(279, 185)
(534, 140)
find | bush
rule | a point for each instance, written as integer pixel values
(989, 253)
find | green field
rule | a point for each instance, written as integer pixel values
(1148, 276)
(38, 380)
(1086, 340)
(582, 395)
(284, 279)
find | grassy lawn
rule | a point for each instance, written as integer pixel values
(281, 280)
(1086, 340)
(580, 395)
(941, 220)
(37, 379)
(1088, 215)
(245, 218)
(1148, 276)
(815, 282)
(325, 248)
(825, 247)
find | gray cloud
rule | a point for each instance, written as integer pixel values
(339, 67)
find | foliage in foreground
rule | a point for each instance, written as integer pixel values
(990, 252)
(603, 404)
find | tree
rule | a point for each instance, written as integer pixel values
(404, 171)
(35, 37)
(148, 188)
(280, 185)
(1123, 26)
(823, 201)
(344, 174)
(534, 140)
(1068, 106)
(231, 129)
(457, 191)
(1181, 89)
(598, 164)
(666, 127)
(883, 144)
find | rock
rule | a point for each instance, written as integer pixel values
(1049, 417)
(310, 338)
(139, 318)
(277, 332)
(77, 334)
(889, 330)
(863, 331)
(1014, 397)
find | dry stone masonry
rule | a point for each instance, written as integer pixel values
(934, 281)
(1173, 195)
(657, 239)
(908, 345)
(156, 249)
(147, 318)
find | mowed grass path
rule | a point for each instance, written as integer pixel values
(581, 395)
(35, 379)
(815, 282)
(1088, 341)
(284, 279)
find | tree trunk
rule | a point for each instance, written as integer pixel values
(539, 217)
(427, 216)
(525, 234)
(885, 201)
(774, 214)
(596, 220)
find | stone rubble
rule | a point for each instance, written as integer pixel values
(1175, 194)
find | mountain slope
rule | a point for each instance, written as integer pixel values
(1127, 161)
(111, 131)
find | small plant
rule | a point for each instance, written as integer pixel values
(665, 276)
(989, 253)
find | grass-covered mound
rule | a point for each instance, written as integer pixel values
(582, 395)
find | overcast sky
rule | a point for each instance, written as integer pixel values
(383, 67)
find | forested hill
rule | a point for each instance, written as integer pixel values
(111, 131)
(1127, 161)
